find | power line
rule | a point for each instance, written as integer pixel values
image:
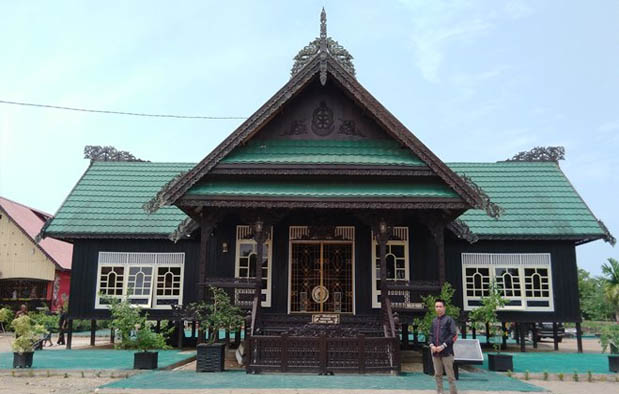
(122, 113)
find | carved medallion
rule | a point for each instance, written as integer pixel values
(322, 120)
(320, 294)
(348, 127)
(297, 127)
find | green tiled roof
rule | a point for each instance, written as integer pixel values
(536, 196)
(371, 152)
(109, 198)
(320, 189)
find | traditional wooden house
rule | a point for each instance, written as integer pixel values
(31, 273)
(323, 216)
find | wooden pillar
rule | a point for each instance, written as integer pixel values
(579, 337)
(516, 332)
(555, 336)
(503, 335)
(200, 335)
(93, 329)
(522, 333)
(404, 336)
(463, 330)
(193, 328)
(259, 236)
(205, 235)
(534, 335)
(69, 333)
(487, 333)
(416, 335)
(180, 334)
(438, 233)
(237, 338)
(112, 335)
(158, 327)
(474, 332)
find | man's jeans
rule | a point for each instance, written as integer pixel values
(444, 364)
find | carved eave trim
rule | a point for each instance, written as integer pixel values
(462, 231)
(608, 237)
(342, 203)
(184, 230)
(176, 189)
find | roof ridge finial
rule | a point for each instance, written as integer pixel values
(323, 46)
(323, 24)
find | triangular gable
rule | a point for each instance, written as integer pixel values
(389, 123)
(30, 221)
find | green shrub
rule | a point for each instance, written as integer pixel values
(6, 316)
(27, 332)
(219, 314)
(47, 320)
(487, 312)
(561, 376)
(545, 375)
(589, 377)
(135, 331)
(526, 375)
(609, 338)
(575, 377)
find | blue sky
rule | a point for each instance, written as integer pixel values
(474, 80)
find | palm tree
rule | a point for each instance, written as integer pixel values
(611, 283)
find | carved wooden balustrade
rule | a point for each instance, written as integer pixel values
(240, 291)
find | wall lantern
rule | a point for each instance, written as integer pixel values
(224, 247)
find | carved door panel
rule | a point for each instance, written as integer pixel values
(321, 277)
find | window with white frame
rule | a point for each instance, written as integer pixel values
(397, 259)
(247, 260)
(148, 280)
(525, 279)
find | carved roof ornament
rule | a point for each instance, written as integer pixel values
(323, 46)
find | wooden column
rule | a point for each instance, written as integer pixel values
(463, 330)
(93, 329)
(437, 229)
(555, 336)
(112, 335)
(404, 336)
(503, 335)
(181, 334)
(69, 333)
(534, 335)
(522, 333)
(259, 235)
(205, 235)
(487, 333)
(579, 337)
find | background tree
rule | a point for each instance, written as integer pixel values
(610, 271)
(593, 303)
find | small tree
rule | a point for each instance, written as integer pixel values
(424, 324)
(129, 320)
(27, 333)
(611, 286)
(487, 312)
(6, 317)
(219, 314)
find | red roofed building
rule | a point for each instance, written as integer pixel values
(37, 274)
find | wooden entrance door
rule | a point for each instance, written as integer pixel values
(321, 277)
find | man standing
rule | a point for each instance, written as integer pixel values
(442, 334)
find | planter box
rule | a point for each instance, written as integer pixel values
(145, 360)
(500, 362)
(613, 362)
(210, 358)
(22, 360)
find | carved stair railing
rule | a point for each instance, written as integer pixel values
(405, 296)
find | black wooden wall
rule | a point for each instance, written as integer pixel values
(84, 271)
(564, 274)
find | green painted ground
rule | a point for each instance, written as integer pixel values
(558, 362)
(91, 359)
(487, 381)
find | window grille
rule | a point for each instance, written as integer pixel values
(148, 280)
(397, 256)
(523, 278)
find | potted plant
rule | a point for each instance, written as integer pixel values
(27, 333)
(486, 314)
(609, 339)
(424, 324)
(213, 316)
(136, 333)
